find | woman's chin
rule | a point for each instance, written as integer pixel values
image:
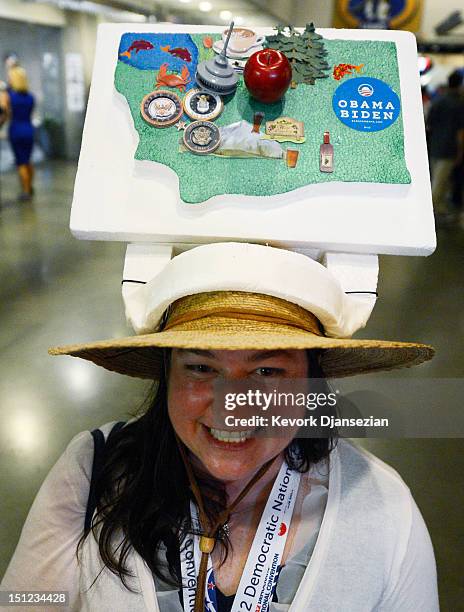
(230, 473)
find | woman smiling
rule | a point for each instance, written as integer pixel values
(185, 515)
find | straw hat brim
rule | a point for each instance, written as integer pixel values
(141, 356)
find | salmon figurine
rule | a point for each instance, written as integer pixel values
(207, 42)
(343, 69)
(180, 52)
(137, 45)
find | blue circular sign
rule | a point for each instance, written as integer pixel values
(381, 13)
(366, 104)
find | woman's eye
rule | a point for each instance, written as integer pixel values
(269, 372)
(199, 368)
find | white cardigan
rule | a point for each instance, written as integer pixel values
(373, 551)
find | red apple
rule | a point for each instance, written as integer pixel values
(267, 75)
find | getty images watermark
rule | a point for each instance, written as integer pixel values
(289, 410)
(361, 407)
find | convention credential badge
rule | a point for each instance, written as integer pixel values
(366, 104)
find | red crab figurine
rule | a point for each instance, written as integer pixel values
(164, 79)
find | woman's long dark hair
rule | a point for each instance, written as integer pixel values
(143, 490)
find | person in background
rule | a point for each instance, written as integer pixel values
(457, 192)
(3, 87)
(17, 104)
(445, 123)
(426, 102)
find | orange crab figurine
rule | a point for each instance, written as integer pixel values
(164, 79)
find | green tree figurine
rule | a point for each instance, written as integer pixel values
(305, 52)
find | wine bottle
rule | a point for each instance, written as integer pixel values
(327, 154)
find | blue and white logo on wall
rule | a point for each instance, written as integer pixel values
(366, 104)
(383, 14)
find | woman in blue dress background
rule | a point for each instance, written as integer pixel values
(18, 104)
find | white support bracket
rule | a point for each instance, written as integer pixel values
(143, 262)
(356, 273)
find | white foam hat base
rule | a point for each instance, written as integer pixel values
(253, 268)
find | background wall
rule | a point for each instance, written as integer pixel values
(36, 13)
(300, 12)
(320, 11)
(45, 37)
(79, 39)
(39, 48)
(42, 50)
(436, 11)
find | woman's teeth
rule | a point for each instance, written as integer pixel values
(231, 436)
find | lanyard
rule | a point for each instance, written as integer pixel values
(259, 577)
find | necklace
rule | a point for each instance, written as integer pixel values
(224, 531)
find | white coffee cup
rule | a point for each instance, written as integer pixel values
(242, 39)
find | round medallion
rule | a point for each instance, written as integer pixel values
(202, 105)
(202, 137)
(161, 108)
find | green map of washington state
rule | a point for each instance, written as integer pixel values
(374, 157)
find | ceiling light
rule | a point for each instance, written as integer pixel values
(238, 20)
(205, 7)
(96, 8)
(225, 15)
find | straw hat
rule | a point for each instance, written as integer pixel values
(237, 296)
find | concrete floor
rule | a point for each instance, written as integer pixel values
(56, 290)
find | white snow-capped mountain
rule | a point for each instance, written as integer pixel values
(239, 140)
